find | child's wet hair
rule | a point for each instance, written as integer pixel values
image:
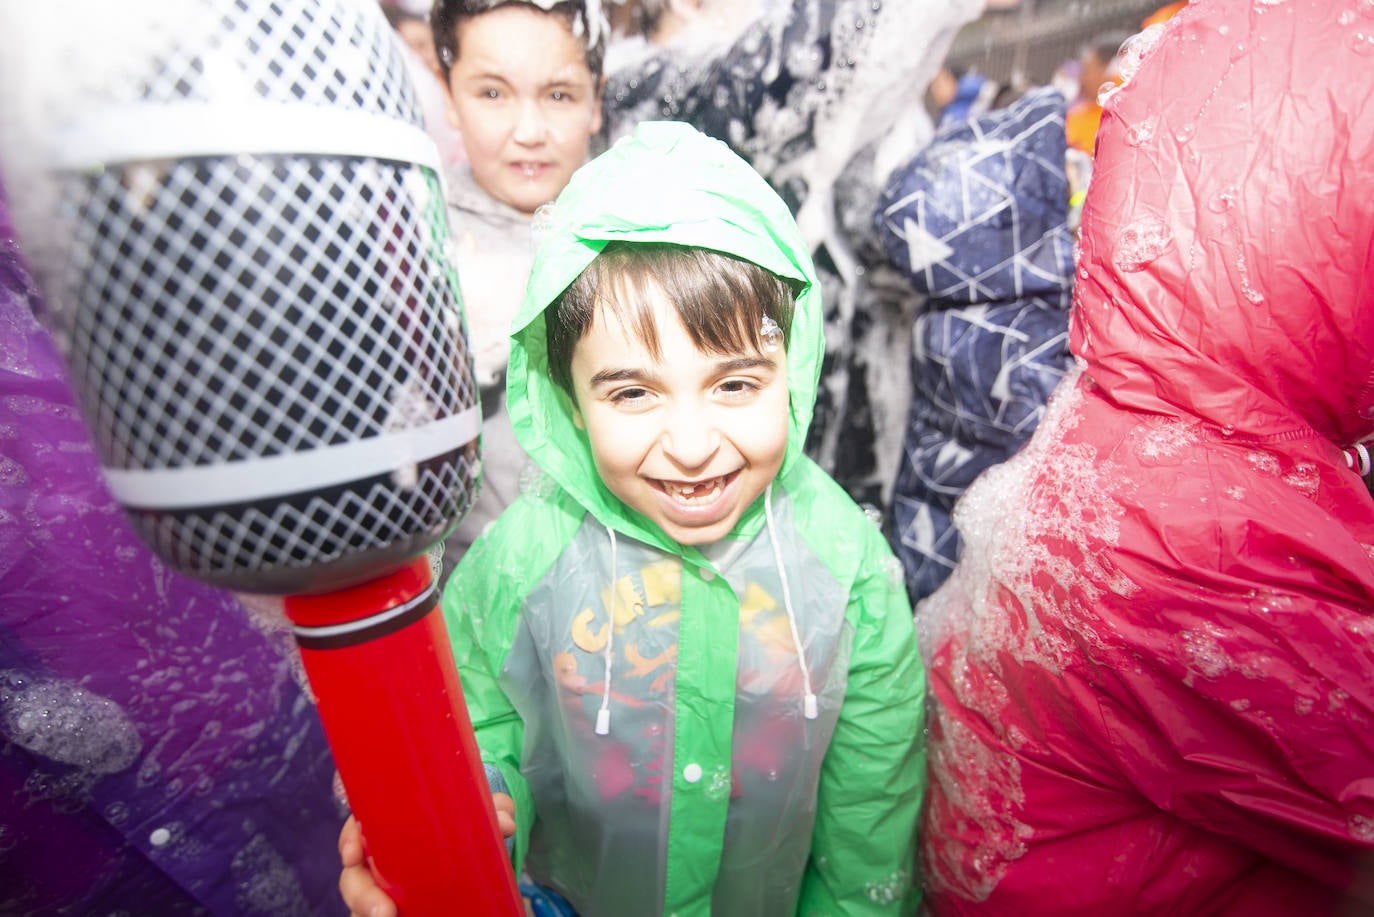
(722, 300)
(445, 16)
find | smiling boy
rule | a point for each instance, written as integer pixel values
(688, 653)
(688, 437)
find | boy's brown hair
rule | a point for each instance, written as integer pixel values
(446, 16)
(722, 300)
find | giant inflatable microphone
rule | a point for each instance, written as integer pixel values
(236, 219)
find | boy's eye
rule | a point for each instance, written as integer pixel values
(559, 95)
(629, 396)
(738, 387)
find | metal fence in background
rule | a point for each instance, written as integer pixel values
(1025, 45)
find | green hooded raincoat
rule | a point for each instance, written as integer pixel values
(712, 793)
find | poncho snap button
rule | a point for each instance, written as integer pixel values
(707, 575)
(691, 773)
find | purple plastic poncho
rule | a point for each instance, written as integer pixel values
(157, 752)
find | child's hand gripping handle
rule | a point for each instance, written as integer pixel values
(378, 657)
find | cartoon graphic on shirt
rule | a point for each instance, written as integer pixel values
(640, 629)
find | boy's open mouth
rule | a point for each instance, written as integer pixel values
(694, 493)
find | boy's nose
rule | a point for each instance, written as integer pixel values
(530, 124)
(690, 438)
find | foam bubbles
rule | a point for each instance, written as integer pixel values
(717, 784)
(1143, 131)
(984, 786)
(1305, 478)
(1136, 48)
(1162, 442)
(265, 883)
(66, 723)
(1202, 652)
(1141, 243)
(1247, 286)
(1264, 463)
(12, 474)
(535, 482)
(887, 890)
(1223, 200)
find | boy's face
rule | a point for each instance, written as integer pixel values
(689, 439)
(525, 103)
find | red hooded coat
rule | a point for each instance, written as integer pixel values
(1154, 667)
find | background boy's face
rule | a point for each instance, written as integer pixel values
(418, 36)
(526, 104)
(689, 439)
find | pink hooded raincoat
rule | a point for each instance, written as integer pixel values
(1154, 667)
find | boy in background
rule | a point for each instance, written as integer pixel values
(690, 656)
(524, 84)
(1097, 62)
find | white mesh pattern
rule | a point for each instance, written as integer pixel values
(255, 306)
(232, 309)
(316, 529)
(291, 51)
(222, 310)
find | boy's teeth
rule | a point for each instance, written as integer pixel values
(692, 493)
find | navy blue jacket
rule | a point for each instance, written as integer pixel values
(977, 221)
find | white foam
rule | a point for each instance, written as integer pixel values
(61, 721)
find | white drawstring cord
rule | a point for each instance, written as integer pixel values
(1363, 452)
(809, 706)
(603, 716)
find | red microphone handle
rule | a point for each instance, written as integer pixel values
(379, 661)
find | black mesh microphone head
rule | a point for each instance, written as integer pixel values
(240, 231)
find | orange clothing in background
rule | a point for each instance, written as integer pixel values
(1080, 124)
(1163, 14)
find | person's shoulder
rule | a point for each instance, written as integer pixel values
(525, 540)
(847, 538)
(823, 506)
(807, 480)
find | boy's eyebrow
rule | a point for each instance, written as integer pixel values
(608, 376)
(740, 364)
(723, 368)
(497, 75)
(492, 73)
(564, 83)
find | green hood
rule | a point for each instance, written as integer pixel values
(666, 182)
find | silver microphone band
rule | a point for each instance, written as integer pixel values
(182, 130)
(351, 633)
(255, 479)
